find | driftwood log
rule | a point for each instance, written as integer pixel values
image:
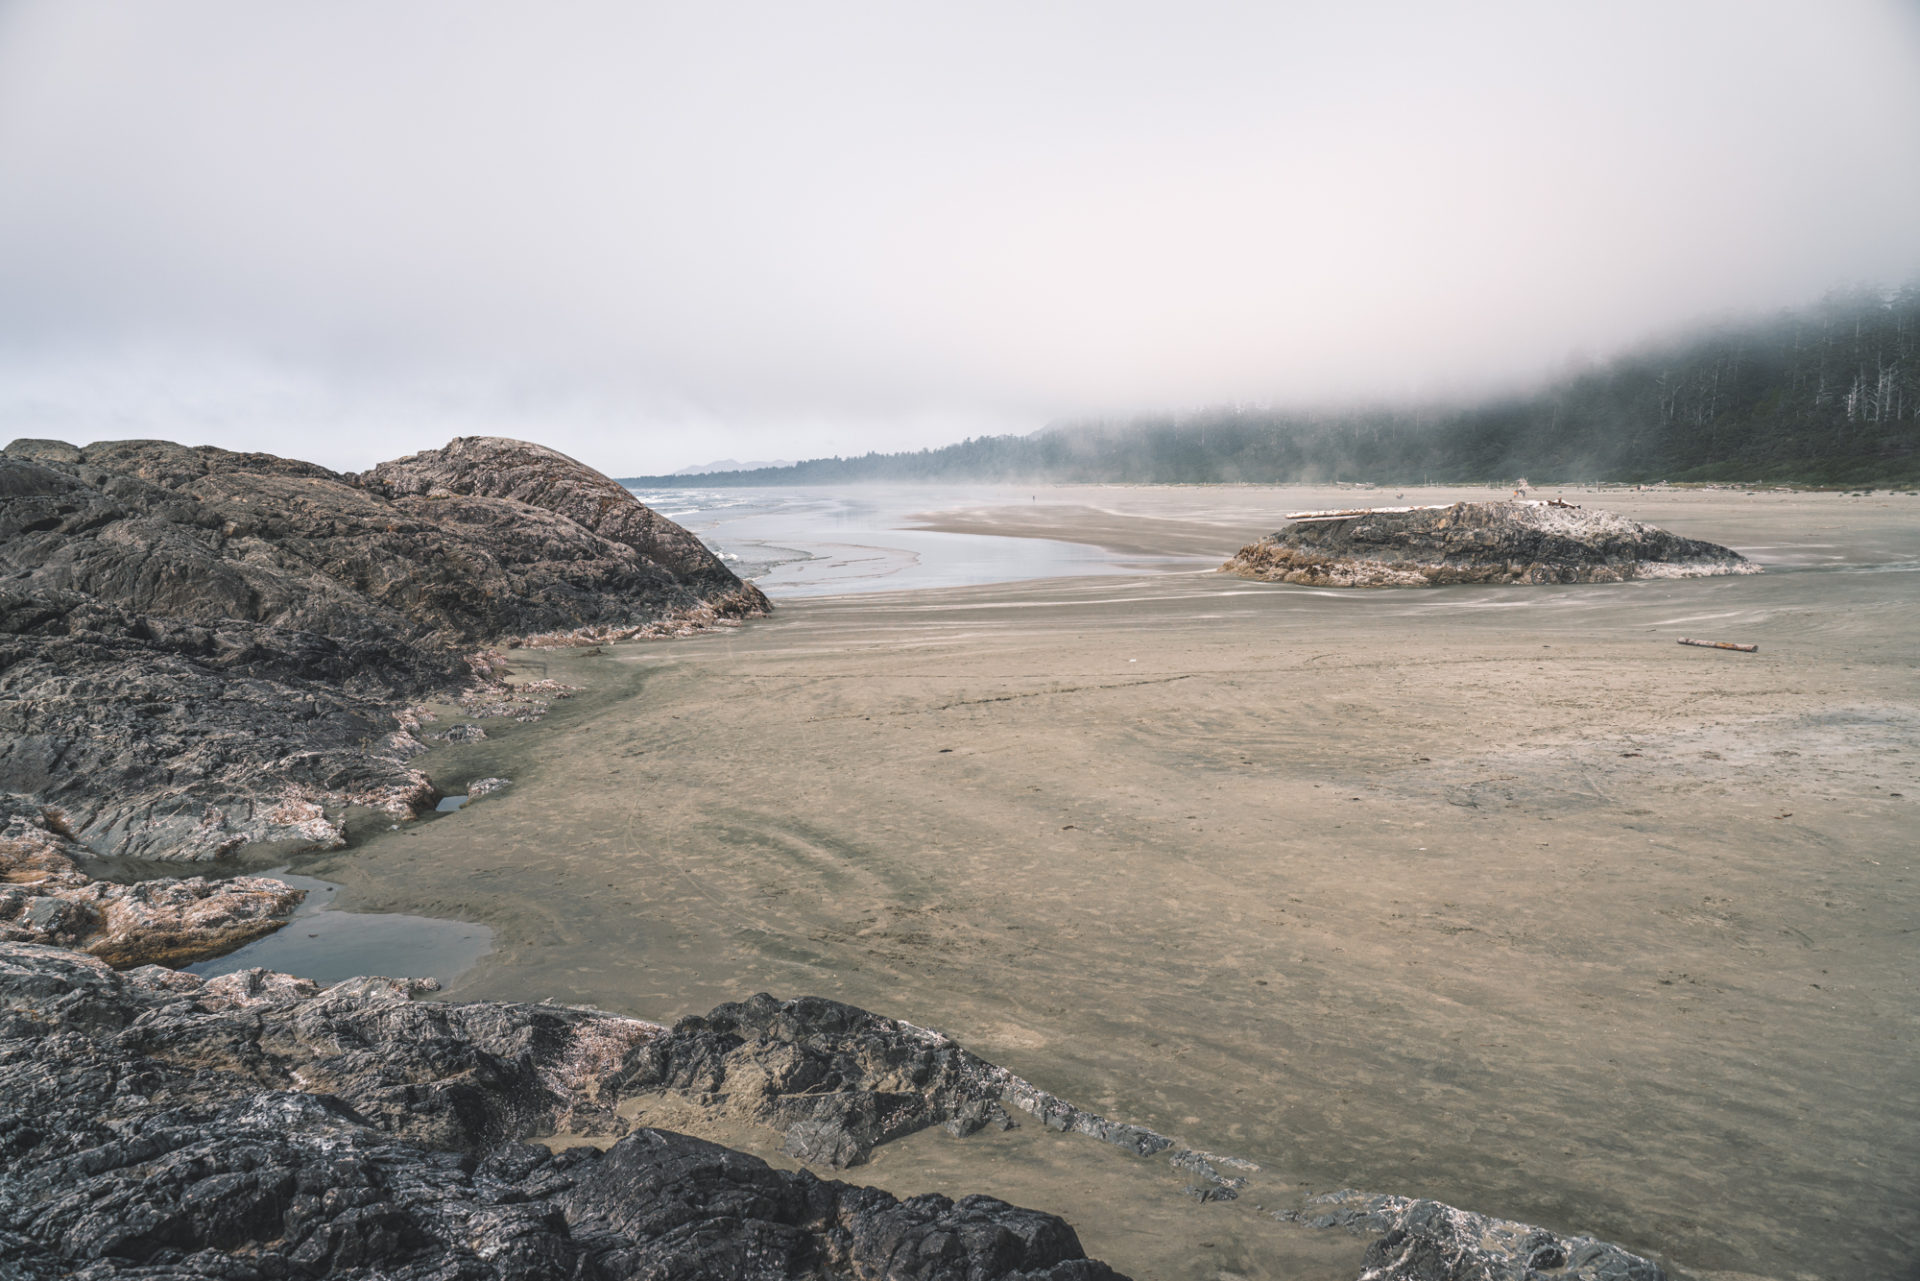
(1744, 649)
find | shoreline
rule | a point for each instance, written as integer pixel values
(838, 851)
(958, 806)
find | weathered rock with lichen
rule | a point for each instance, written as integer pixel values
(202, 649)
(1421, 1240)
(157, 1126)
(837, 1081)
(493, 467)
(46, 898)
(1507, 542)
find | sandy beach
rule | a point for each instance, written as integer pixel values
(1491, 894)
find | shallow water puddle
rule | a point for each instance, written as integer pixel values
(327, 945)
(448, 804)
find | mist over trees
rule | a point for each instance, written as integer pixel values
(1825, 395)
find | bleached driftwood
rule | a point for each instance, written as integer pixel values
(1744, 649)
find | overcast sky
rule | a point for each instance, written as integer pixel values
(654, 235)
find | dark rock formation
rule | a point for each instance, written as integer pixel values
(1428, 1241)
(156, 1126)
(201, 649)
(1509, 542)
(46, 898)
(838, 1081)
(490, 467)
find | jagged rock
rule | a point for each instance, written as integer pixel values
(46, 898)
(1507, 542)
(185, 741)
(837, 1081)
(1203, 1193)
(256, 1125)
(526, 701)
(202, 649)
(1203, 1163)
(253, 1126)
(492, 467)
(970, 1116)
(1427, 1241)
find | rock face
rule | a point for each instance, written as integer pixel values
(1428, 1241)
(490, 467)
(161, 1126)
(1508, 542)
(201, 649)
(156, 1126)
(838, 1081)
(45, 898)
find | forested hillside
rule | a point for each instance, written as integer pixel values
(1828, 394)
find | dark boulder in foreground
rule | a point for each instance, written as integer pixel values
(253, 1127)
(1506, 542)
(201, 649)
(158, 1125)
(838, 1081)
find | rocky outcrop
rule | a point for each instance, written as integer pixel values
(837, 1081)
(46, 898)
(491, 467)
(1507, 542)
(1420, 1240)
(156, 1126)
(202, 649)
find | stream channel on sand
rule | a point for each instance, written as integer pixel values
(1490, 894)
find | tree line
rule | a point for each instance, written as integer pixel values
(1821, 395)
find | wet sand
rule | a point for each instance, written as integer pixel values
(1495, 895)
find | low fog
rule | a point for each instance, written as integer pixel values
(658, 235)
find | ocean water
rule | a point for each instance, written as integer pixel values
(799, 541)
(820, 542)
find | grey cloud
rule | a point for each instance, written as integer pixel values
(658, 234)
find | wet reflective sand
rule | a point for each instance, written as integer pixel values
(1496, 895)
